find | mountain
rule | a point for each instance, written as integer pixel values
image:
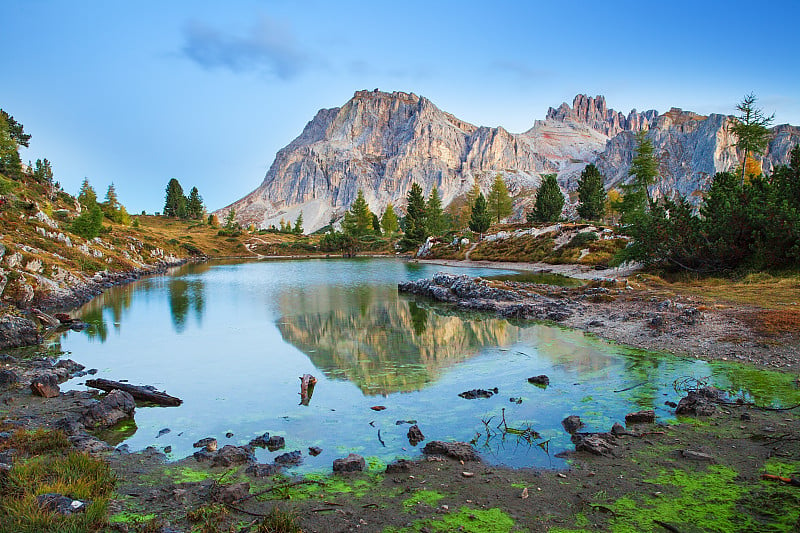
(383, 142)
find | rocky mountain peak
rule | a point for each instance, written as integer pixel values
(382, 142)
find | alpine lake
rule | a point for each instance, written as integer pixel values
(232, 340)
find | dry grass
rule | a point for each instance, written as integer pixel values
(776, 292)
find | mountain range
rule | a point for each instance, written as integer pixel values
(383, 142)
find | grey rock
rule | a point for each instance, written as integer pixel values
(351, 463)
(539, 381)
(231, 455)
(399, 466)
(701, 402)
(571, 424)
(313, 451)
(647, 416)
(415, 435)
(209, 443)
(114, 407)
(45, 385)
(16, 331)
(275, 442)
(289, 458)
(594, 443)
(460, 451)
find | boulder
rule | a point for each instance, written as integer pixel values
(69, 365)
(275, 442)
(260, 441)
(399, 466)
(415, 435)
(478, 393)
(460, 451)
(45, 385)
(16, 331)
(114, 407)
(351, 463)
(289, 459)
(594, 443)
(700, 402)
(647, 416)
(209, 443)
(571, 424)
(231, 455)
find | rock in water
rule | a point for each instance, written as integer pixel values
(114, 407)
(571, 424)
(641, 417)
(414, 435)
(540, 381)
(16, 331)
(351, 463)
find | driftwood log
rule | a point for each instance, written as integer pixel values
(145, 393)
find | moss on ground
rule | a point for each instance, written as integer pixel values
(465, 519)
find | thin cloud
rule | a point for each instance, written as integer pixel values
(268, 48)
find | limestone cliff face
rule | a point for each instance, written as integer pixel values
(383, 142)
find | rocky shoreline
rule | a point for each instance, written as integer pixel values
(615, 311)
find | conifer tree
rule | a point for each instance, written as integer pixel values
(436, 222)
(358, 220)
(499, 202)
(298, 224)
(644, 170)
(43, 171)
(591, 193)
(87, 195)
(175, 202)
(480, 220)
(376, 224)
(549, 201)
(111, 204)
(415, 223)
(389, 220)
(751, 128)
(194, 205)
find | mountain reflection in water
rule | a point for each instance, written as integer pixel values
(384, 343)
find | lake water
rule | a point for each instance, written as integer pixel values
(232, 340)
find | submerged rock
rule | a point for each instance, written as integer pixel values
(539, 381)
(289, 458)
(700, 402)
(478, 393)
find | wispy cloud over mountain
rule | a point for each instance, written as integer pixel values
(268, 48)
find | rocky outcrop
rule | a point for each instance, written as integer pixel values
(16, 331)
(383, 142)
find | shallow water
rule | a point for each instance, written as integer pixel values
(232, 339)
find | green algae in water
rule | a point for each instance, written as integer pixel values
(470, 520)
(764, 387)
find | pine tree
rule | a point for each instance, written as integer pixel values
(415, 223)
(89, 223)
(194, 205)
(298, 224)
(499, 202)
(87, 195)
(591, 193)
(480, 220)
(436, 222)
(43, 171)
(751, 128)
(389, 220)
(175, 202)
(549, 201)
(111, 205)
(644, 170)
(358, 220)
(10, 163)
(376, 224)
(230, 219)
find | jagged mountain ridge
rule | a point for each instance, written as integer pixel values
(383, 142)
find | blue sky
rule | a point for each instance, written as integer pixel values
(136, 93)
